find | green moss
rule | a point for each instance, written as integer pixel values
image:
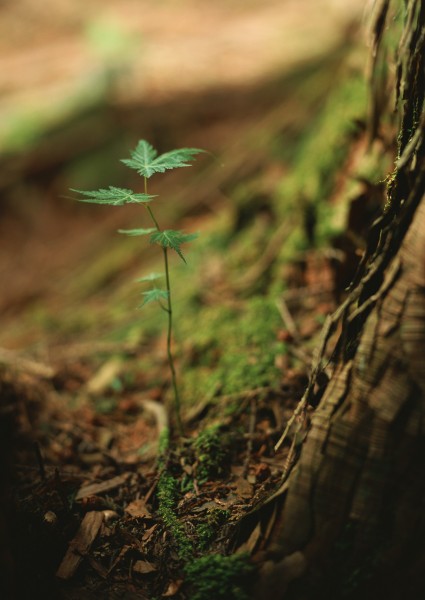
(163, 446)
(246, 361)
(322, 151)
(168, 495)
(248, 358)
(219, 577)
(207, 531)
(253, 347)
(168, 489)
(318, 158)
(199, 383)
(212, 453)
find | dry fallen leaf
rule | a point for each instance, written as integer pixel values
(143, 566)
(104, 486)
(149, 532)
(173, 588)
(243, 488)
(138, 508)
(80, 544)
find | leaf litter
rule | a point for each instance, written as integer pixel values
(97, 501)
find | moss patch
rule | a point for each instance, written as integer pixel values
(212, 453)
(219, 577)
(234, 350)
(168, 495)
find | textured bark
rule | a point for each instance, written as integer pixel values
(353, 518)
(359, 486)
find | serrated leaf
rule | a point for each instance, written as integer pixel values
(141, 158)
(169, 238)
(145, 160)
(113, 195)
(135, 232)
(154, 295)
(150, 277)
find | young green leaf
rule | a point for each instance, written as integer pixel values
(145, 160)
(135, 232)
(150, 277)
(169, 238)
(152, 295)
(113, 195)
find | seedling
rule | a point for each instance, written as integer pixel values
(145, 160)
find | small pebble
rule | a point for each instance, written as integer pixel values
(50, 517)
(108, 515)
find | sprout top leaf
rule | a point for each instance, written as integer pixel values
(113, 195)
(169, 238)
(145, 160)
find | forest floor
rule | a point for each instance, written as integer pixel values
(105, 501)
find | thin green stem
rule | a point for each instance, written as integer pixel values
(169, 311)
(152, 216)
(169, 352)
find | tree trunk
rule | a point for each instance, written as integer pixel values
(353, 520)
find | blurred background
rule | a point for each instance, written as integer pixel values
(81, 82)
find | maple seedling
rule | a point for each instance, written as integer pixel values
(145, 160)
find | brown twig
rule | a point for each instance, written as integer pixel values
(327, 331)
(290, 325)
(152, 488)
(287, 319)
